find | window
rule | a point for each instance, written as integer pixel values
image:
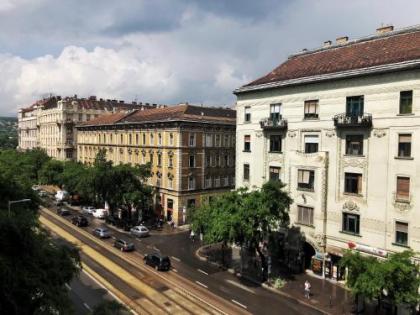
(226, 180)
(170, 161)
(217, 181)
(226, 144)
(217, 141)
(403, 188)
(191, 182)
(88, 117)
(137, 138)
(170, 204)
(311, 144)
(191, 161)
(159, 159)
(247, 114)
(354, 144)
(207, 182)
(226, 159)
(171, 139)
(80, 117)
(130, 139)
(219, 160)
(121, 139)
(401, 233)
(311, 109)
(213, 160)
(274, 173)
(208, 160)
(190, 203)
(306, 179)
(351, 223)
(246, 171)
(247, 143)
(152, 141)
(159, 139)
(305, 215)
(209, 140)
(275, 112)
(275, 143)
(144, 138)
(353, 183)
(355, 106)
(404, 145)
(151, 158)
(170, 183)
(406, 102)
(192, 140)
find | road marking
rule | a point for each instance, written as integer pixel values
(87, 306)
(202, 271)
(240, 304)
(155, 248)
(202, 284)
(236, 284)
(176, 258)
(174, 270)
(67, 286)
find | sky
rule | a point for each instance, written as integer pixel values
(168, 51)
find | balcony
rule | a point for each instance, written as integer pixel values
(273, 124)
(353, 121)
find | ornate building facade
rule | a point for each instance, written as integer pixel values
(49, 123)
(339, 126)
(191, 150)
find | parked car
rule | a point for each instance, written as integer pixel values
(79, 221)
(88, 210)
(139, 231)
(158, 261)
(100, 213)
(101, 232)
(123, 245)
(61, 195)
(42, 193)
(63, 212)
(58, 203)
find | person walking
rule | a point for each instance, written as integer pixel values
(307, 289)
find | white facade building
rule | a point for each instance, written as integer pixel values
(340, 126)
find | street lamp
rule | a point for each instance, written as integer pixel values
(17, 201)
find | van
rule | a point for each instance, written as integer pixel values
(61, 195)
(100, 213)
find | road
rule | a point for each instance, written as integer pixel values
(192, 286)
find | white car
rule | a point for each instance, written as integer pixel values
(100, 213)
(139, 231)
(88, 210)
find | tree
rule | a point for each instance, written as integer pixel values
(243, 217)
(33, 270)
(110, 308)
(50, 172)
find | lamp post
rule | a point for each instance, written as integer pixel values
(17, 201)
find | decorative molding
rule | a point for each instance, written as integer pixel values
(330, 133)
(379, 133)
(291, 134)
(350, 205)
(402, 206)
(258, 134)
(354, 162)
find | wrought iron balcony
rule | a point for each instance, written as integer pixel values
(346, 120)
(273, 124)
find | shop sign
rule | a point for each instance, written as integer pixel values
(368, 249)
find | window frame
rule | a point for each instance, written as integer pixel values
(307, 114)
(247, 144)
(247, 114)
(275, 111)
(349, 141)
(300, 215)
(274, 170)
(408, 97)
(401, 233)
(352, 102)
(272, 142)
(405, 146)
(345, 227)
(191, 158)
(246, 172)
(310, 146)
(403, 194)
(348, 176)
(310, 185)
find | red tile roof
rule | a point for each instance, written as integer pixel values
(389, 48)
(183, 112)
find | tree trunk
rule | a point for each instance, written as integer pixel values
(263, 263)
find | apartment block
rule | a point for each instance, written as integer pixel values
(339, 125)
(191, 150)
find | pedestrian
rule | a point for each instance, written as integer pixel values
(307, 289)
(192, 235)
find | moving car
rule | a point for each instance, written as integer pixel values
(88, 210)
(139, 231)
(101, 232)
(123, 245)
(63, 212)
(79, 221)
(158, 261)
(100, 213)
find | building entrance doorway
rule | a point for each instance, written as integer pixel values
(309, 252)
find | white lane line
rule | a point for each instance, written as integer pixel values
(156, 249)
(236, 284)
(202, 284)
(67, 286)
(174, 270)
(87, 306)
(176, 258)
(240, 304)
(202, 271)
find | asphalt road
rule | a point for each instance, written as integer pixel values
(245, 295)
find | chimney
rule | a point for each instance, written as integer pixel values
(342, 40)
(384, 29)
(327, 43)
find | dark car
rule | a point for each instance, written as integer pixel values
(158, 261)
(123, 245)
(79, 221)
(63, 212)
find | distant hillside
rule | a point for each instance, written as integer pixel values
(8, 132)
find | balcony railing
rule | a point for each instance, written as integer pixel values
(273, 124)
(348, 120)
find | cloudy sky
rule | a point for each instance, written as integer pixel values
(167, 51)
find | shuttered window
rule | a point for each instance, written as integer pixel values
(247, 143)
(403, 188)
(306, 179)
(401, 233)
(404, 145)
(311, 109)
(305, 215)
(311, 143)
(274, 173)
(247, 114)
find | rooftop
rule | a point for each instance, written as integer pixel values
(346, 58)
